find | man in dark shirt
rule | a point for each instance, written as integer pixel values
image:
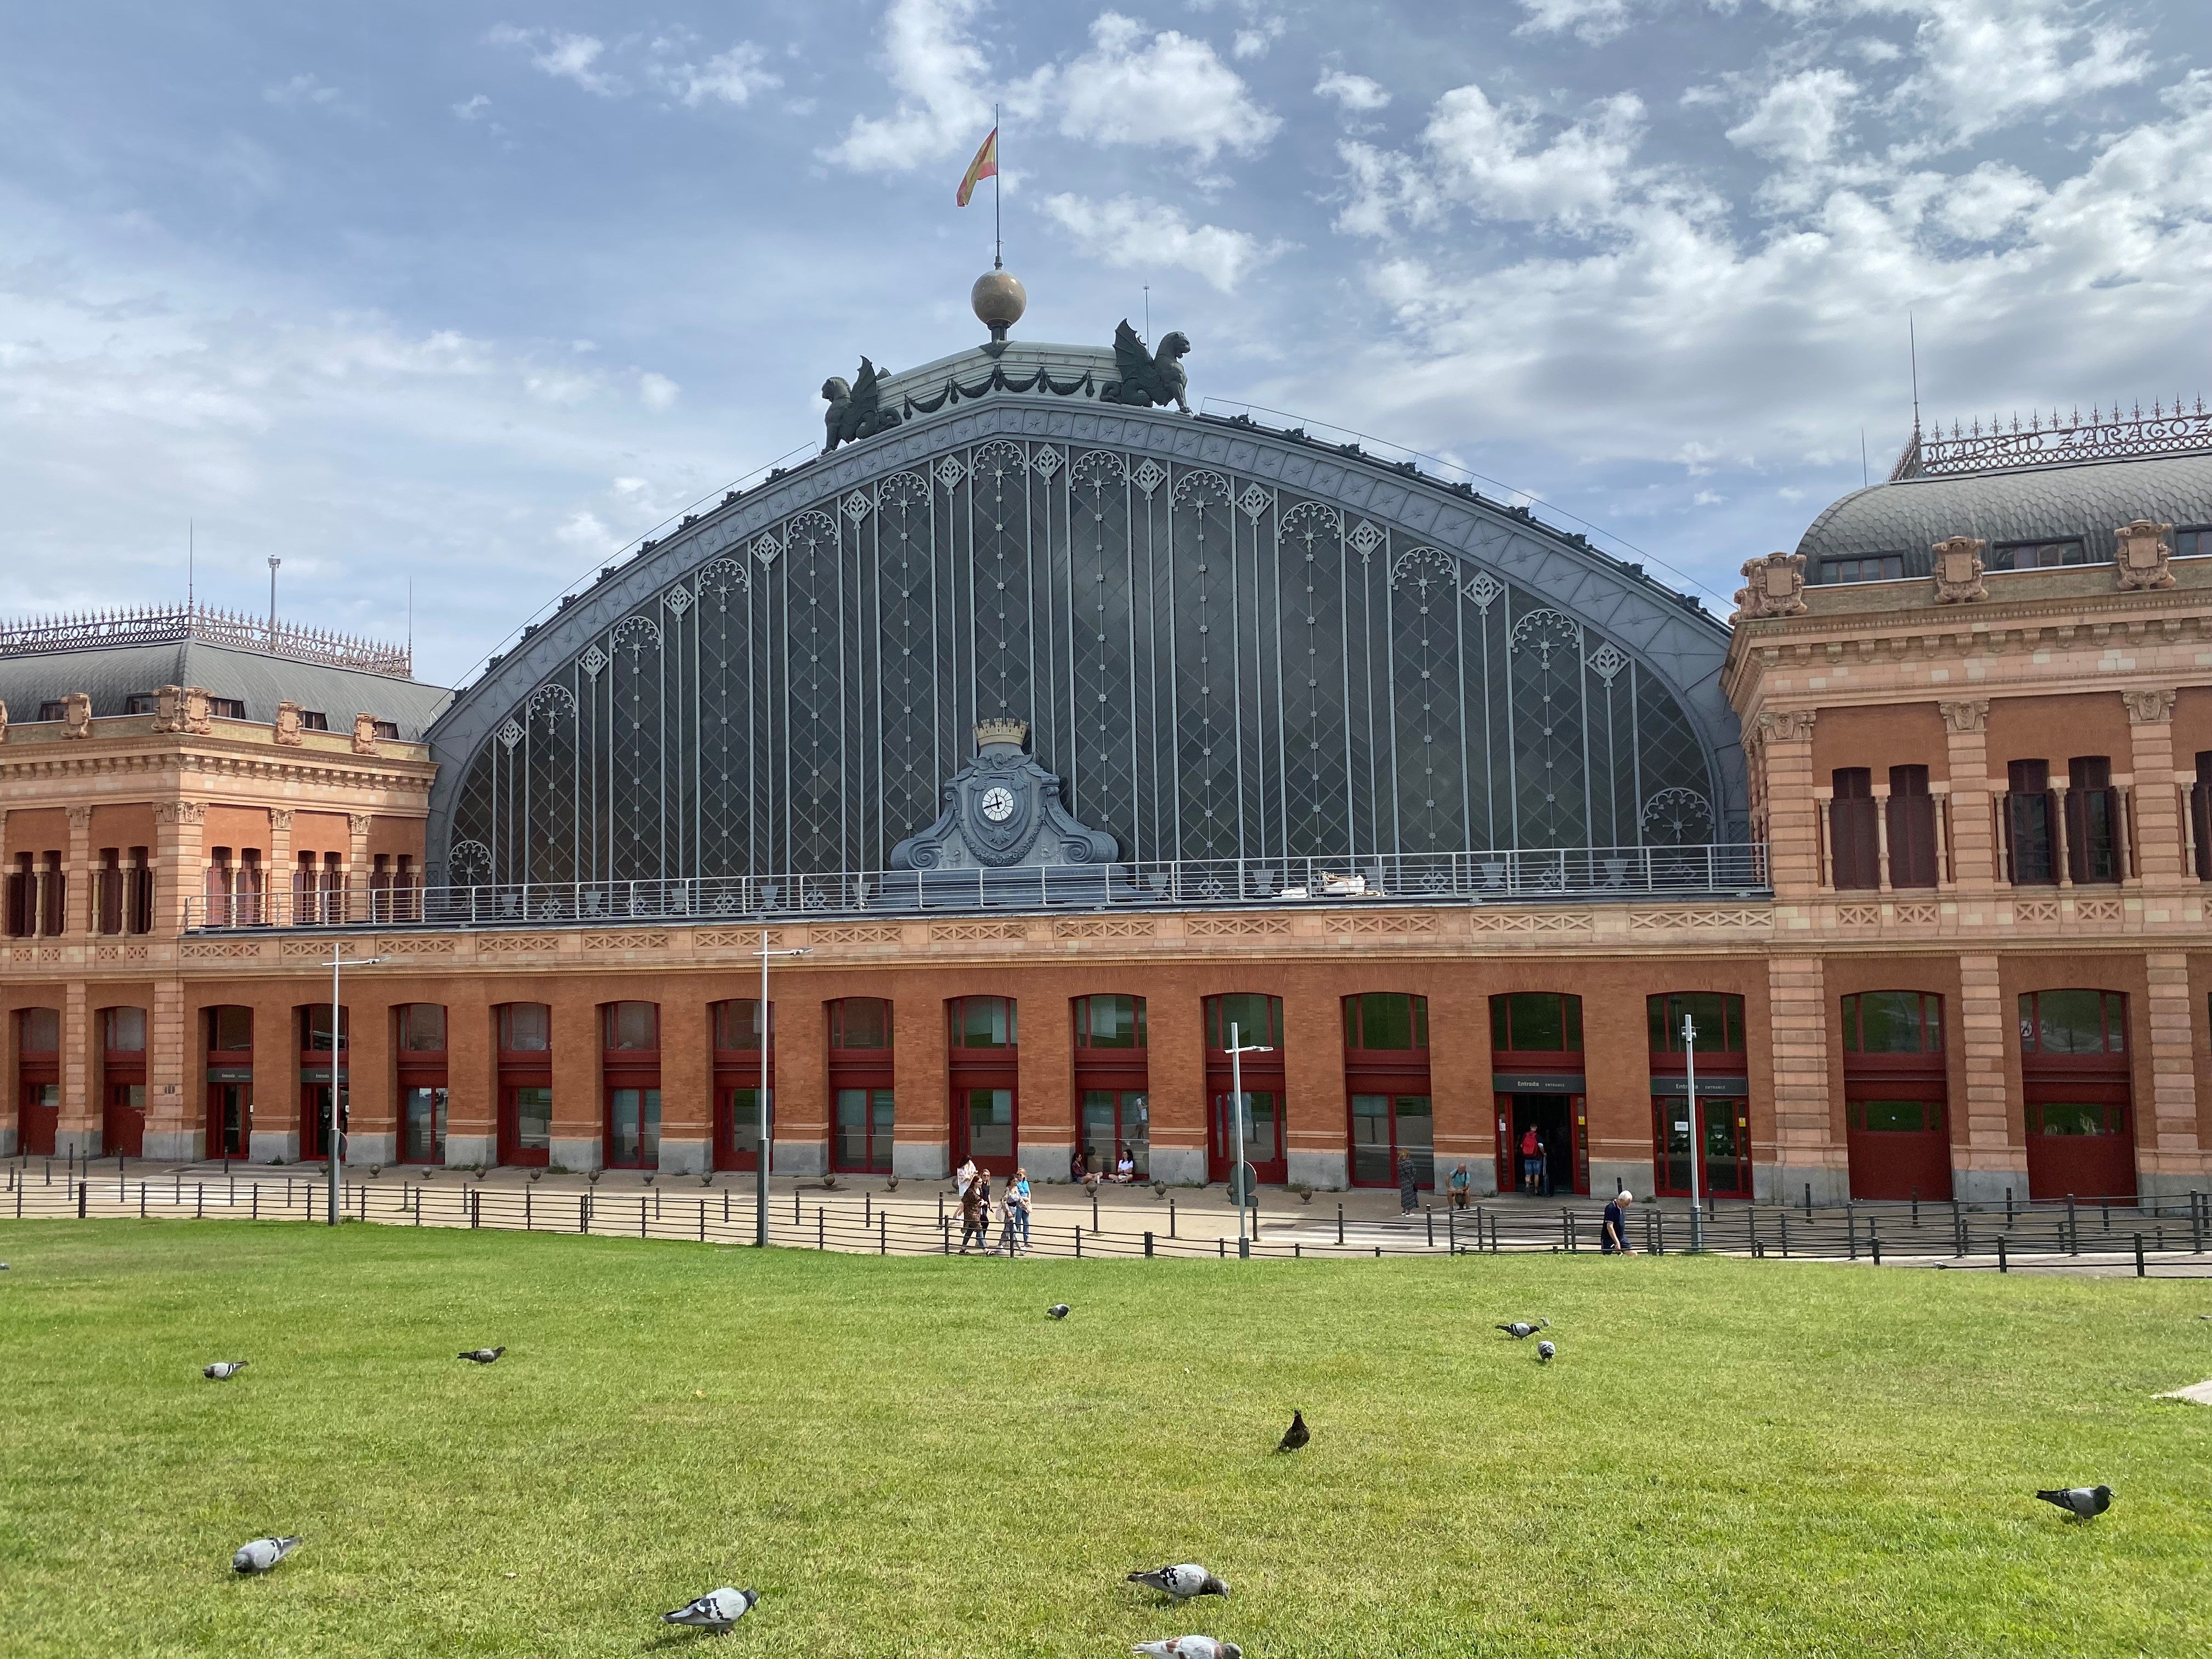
(1613, 1237)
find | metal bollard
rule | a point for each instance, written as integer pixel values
(526, 1209)
(2140, 1273)
(1874, 1237)
(1079, 1240)
(1094, 1209)
(81, 1186)
(1785, 1235)
(1171, 1218)
(1340, 1223)
(883, 1234)
(1809, 1201)
(199, 1203)
(1148, 1244)
(2008, 1209)
(1431, 1215)
(1852, 1229)
(2002, 1267)
(2073, 1228)
(821, 1229)
(702, 1219)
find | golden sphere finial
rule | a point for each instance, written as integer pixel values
(999, 300)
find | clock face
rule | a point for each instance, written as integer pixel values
(998, 804)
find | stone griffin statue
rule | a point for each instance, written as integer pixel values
(855, 410)
(1146, 377)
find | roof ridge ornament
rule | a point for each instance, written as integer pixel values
(2107, 435)
(1147, 377)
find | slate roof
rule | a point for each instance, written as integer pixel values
(112, 673)
(2021, 504)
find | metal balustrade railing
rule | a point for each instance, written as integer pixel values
(1735, 870)
(2172, 1231)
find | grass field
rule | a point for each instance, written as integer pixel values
(905, 1457)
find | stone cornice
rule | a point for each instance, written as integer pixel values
(200, 760)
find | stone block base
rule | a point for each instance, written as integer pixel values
(365, 1150)
(2168, 1186)
(1784, 1183)
(580, 1155)
(686, 1157)
(798, 1157)
(269, 1145)
(1609, 1175)
(175, 1145)
(1329, 1171)
(1988, 1186)
(463, 1151)
(7, 1142)
(922, 1160)
(1176, 1165)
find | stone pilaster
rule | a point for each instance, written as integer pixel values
(77, 1127)
(2156, 852)
(1793, 821)
(1973, 852)
(578, 1087)
(1995, 1154)
(801, 1058)
(78, 919)
(180, 860)
(687, 1105)
(1808, 1147)
(176, 1068)
(280, 899)
(2168, 1156)
(922, 1127)
(355, 903)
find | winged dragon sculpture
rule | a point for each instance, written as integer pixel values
(856, 410)
(1147, 378)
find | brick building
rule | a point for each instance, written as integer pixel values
(1069, 738)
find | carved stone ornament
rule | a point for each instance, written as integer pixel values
(280, 820)
(2140, 554)
(288, 725)
(2148, 707)
(4, 722)
(364, 735)
(180, 812)
(1147, 377)
(80, 818)
(183, 709)
(1776, 587)
(1971, 716)
(1790, 725)
(358, 823)
(77, 714)
(856, 410)
(1003, 810)
(1959, 571)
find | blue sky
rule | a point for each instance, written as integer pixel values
(476, 295)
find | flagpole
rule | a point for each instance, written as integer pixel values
(998, 171)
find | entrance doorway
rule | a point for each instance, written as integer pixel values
(526, 1125)
(123, 1127)
(1113, 1119)
(1263, 1138)
(1385, 1128)
(1556, 1118)
(1724, 1164)
(984, 1119)
(315, 1120)
(230, 1119)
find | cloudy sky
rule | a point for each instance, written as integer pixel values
(479, 294)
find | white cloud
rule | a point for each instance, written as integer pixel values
(1987, 201)
(1494, 158)
(657, 391)
(937, 71)
(475, 109)
(732, 77)
(1593, 20)
(1170, 90)
(1985, 62)
(1384, 185)
(1129, 232)
(301, 91)
(1354, 92)
(562, 55)
(1254, 42)
(582, 529)
(1799, 118)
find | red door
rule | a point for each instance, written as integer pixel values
(123, 1123)
(1264, 1129)
(2080, 1140)
(40, 1115)
(1899, 1139)
(1722, 1138)
(525, 1120)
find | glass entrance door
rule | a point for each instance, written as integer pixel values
(864, 1131)
(1117, 1121)
(314, 1121)
(988, 1129)
(229, 1120)
(124, 1129)
(1384, 1127)
(737, 1127)
(1263, 1138)
(422, 1124)
(1725, 1170)
(634, 1128)
(526, 1125)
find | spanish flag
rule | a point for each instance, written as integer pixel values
(985, 165)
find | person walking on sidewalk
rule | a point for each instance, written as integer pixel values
(1612, 1232)
(974, 1217)
(1018, 1189)
(1531, 1164)
(1409, 1184)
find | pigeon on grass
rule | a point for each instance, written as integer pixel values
(1180, 1581)
(262, 1554)
(480, 1356)
(715, 1611)
(1059, 1310)
(2081, 1503)
(1544, 1352)
(1296, 1435)
(1190, 1647)
(1521, 1329)
(223, 1369)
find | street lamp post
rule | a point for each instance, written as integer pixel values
(1696, 1201)
(759, 1102)
(338, 959)
(1239, 1188)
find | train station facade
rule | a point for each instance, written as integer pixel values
(1077, 742)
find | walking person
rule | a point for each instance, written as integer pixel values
(1532, 1155)
(975, 1219)
(1612, 1232)
(1409, 1184)
(1010, 1219)
(1456, 1183)
(965, 1176)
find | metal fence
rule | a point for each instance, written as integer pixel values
(1738, 870)
(2044, 1234)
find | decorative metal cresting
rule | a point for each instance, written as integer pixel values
(175, 624)
(1215, 666)
(2063, 440)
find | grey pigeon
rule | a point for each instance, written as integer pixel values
(481, 1356)
(1180, 1581)
(1521, 1328)
(1058, 1310)
(1296, 1435)
(262, 1554)
(223, 1369)
(717, 1610)
(1544, 1352)
(1190, 1647)
(2081, 1503)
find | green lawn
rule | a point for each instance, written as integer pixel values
(905, 1457)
